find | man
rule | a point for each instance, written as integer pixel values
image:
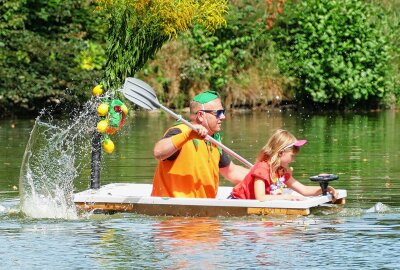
(188, 165)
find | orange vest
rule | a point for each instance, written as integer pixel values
(193, 174)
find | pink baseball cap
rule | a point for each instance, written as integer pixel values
(297, 143)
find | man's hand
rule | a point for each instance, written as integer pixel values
(200, 132)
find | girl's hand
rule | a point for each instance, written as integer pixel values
(333, 192)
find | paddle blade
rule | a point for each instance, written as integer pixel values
(140, 93)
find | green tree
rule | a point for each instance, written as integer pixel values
(237, 60)
(335, 51)
(138, 28)
(42, 43)
(219, 56)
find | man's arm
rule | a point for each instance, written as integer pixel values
(234, 173)
(164, 148)
(175, 139)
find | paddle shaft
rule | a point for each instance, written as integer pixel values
(143, 95)
(208, 137)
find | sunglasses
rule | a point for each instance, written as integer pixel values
(216, 113)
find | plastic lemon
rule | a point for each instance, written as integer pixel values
(124, 109)
(108, 146)
(97, 90)
(102, 126)
(102, 110)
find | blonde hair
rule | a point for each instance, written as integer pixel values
(277, 143)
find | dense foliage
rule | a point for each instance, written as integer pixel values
(342, 53)
(318, 52)
(138, 28)
(44, 45)
(335, 51)
(236, 60)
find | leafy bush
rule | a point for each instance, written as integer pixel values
(237, 60)
(218, 56)
(329, 52)
(41, 42)
(334, 50)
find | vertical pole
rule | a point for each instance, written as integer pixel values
(96, 161)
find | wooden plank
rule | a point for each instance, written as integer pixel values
(341, 201)
(192, 210)
(278, 211)
(165, 210)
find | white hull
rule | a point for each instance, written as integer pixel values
(121, 197)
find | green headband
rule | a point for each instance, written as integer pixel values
(206, 96)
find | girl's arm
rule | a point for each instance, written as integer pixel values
(259, 192)
(309, 190)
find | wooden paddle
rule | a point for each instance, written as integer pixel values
(143, 95)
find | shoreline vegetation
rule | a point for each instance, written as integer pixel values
(269, 55)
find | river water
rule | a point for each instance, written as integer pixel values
(363, 149)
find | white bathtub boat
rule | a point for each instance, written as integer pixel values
(126, 197)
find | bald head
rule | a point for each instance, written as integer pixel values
(214, 104)
(203, 101)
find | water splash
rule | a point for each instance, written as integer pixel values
(378, 208)
(9, 207)
(56, 152)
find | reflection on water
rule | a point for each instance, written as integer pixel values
(192, 241)
(362, 149)
(349, 240)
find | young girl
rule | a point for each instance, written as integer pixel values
(271, 173)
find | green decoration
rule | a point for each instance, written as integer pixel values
(206, 96)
